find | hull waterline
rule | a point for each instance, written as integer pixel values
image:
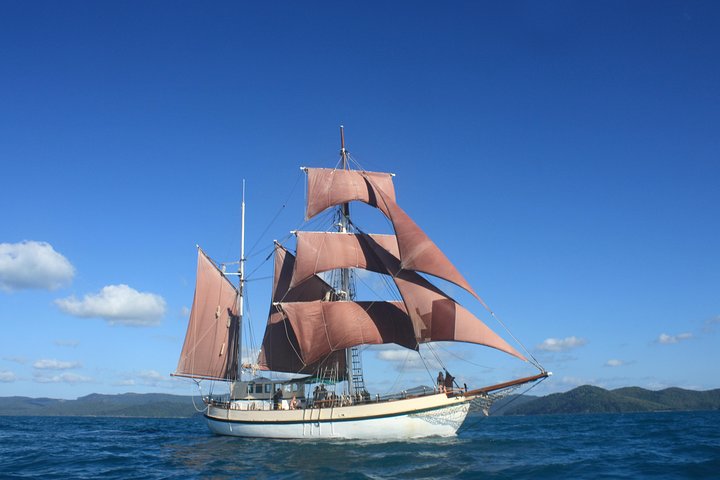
(433, 415)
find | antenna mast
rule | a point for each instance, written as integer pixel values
(241, 282)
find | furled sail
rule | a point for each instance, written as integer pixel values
(210, 349)
(327, 188)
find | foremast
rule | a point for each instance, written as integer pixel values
(308, 325)
(353, 364)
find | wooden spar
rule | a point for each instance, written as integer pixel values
(500, 386)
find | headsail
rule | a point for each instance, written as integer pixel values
(210, 349)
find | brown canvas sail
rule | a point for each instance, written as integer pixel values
(434, 315)
(323, 251)
(311, 288)
(210, 348)
(325, 327)
(280, 351)
(327, 188)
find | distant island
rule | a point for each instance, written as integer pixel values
(590, 399)
(585, 399)
(156, 405)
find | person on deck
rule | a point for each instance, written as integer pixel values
(277, 398)
(449, 379)
(441, 382)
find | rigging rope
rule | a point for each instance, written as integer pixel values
(197, 383)
(430, 375)
(449, 352)
(532, 359)
(397, 378)
(272, 221)
(524, 392)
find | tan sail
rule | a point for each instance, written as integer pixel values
(434, 315)
(327, 188)
(210, 348)
(323, 251)
(325, 327)
(280, 351)
(312, 287)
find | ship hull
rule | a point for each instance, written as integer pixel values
(432, 415)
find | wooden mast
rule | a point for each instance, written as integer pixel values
(345, 281)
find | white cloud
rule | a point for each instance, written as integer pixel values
(395, 355)
(614, 363)
(404, 359)
(52, 364)
(117, 304)
(124, 383)
(71, 378)
(7, 376)
(561, 344)
(20, 360)
(666, 339)
(185, 312)
(31, 264)
(152, 377)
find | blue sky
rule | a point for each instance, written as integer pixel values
(563, 154)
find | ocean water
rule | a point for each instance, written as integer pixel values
(657, 445)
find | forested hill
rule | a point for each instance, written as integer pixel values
(124, 405)
(589, 399)
(585, 399)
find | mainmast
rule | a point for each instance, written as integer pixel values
(356, 383)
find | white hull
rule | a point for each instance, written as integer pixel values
(432, 415)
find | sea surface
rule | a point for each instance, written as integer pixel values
(642, 445)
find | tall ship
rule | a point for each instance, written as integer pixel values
(307, 380)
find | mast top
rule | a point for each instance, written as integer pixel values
(343, 152)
